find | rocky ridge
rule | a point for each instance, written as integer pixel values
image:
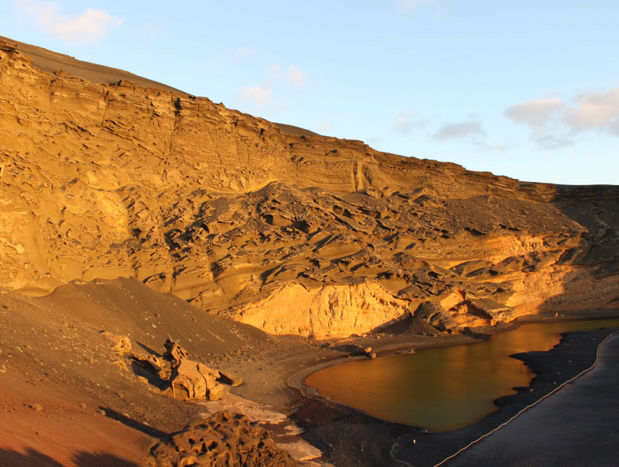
(291, 233)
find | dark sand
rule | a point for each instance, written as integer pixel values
(578, 425)
(348, 437)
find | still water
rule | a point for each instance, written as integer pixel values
(443, 388)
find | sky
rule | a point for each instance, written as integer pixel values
(527, 88)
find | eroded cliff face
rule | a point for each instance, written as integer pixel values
(294, 234)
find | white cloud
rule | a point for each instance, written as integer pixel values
(405, 122)
(407, 6)
(374, 141)
(495, 147)
(242, 53)
(550, 141)
(274, 70)
(554, 121)
(237, 55)
(150, 31)
(292, 75)
(324, 128)
(280, 86)
(89, 27)
(296, 76)
(535, 113)
(260, 93)
(595, 111)
(449, 131)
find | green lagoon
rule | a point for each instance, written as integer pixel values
(443, 388)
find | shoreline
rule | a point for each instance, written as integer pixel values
(565, 427)
(297, 380)
(373, 441)
(55, 405)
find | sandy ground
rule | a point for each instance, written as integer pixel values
(41, 427)
(64, 400)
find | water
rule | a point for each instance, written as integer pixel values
(443, 388)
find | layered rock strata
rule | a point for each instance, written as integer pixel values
(292, 233)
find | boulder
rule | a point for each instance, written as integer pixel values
(174, 352)
(369, 352)
(192, 380)
(120, 344)
(231, 379)
(154, 363)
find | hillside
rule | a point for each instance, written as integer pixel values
(71, 395)
(292, 232)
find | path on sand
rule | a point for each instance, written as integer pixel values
(579, 425)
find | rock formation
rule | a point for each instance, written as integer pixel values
(292, 233)
(224, 439)
(195, 381)
(119, 344)
(182, 378)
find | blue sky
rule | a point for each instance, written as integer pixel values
(527, 89)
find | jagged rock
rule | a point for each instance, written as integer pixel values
(195, 381)
(292, 233)
(181, 377)
(325, 312)
(224, 439)
(175, 352)
(120, 344)
(228, 378)
(154, 363)
(152, 360)
(120, 364)
(369, 353)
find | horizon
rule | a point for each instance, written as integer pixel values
(528, 91)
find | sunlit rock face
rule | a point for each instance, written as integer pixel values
(292, 233)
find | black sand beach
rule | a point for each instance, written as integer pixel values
(348, 437)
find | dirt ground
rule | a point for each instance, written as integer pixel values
(66, 398)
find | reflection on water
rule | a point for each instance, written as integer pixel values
(443, 388)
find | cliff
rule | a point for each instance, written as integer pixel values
(286, 230)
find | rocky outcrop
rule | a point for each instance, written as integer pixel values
(119, 344)
(182, 378)
(325, 312)
(174, 352)
(194, 381)
(293, 233)
(226, 439)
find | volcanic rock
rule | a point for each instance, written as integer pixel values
(224, 439)
(226, 377)
(288, 231)
(120, 344)
(175, 352)
(195, 381)
(154, 364)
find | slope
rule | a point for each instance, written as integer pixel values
(293, 233)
